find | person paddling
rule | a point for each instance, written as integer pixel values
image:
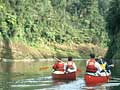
(58, 67)
(105, 66)
(92, 66)
(70, 65)
(102, 63)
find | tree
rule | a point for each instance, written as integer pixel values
(113, 27)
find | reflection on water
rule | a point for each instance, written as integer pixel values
(6, 52)
(116, 69)
(46, 83)
(33, 83)
(43, 79)
(59, 82)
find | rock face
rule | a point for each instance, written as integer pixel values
(113, 27)
(114, 48)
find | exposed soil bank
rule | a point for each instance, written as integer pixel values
(24, 51)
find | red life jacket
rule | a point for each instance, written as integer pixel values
(69, 64)
(91, 66)
(59, 66)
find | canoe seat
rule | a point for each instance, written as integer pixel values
(58, 72)
(93, 74)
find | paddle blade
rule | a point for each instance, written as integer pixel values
(79, 70)
(43, 68)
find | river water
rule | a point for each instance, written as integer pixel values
(34, 75)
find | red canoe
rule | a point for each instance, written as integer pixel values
(91, 80)
(66, 76)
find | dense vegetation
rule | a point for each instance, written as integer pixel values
(54, 26)
(113, 27)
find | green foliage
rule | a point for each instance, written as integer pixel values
(59, 21)
(114, 18)
(113, 27)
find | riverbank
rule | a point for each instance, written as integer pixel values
(20, 51)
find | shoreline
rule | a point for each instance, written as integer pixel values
(37, 60)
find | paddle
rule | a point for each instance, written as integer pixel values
(79, 70)
(115, 79)
(43, 68)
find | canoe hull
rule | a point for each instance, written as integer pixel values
(66, 76)
(91, 80)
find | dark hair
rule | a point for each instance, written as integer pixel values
(92, 55)
(96, 59)
(59, 58)
(69, 58)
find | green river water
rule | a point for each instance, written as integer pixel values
(32, 75)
